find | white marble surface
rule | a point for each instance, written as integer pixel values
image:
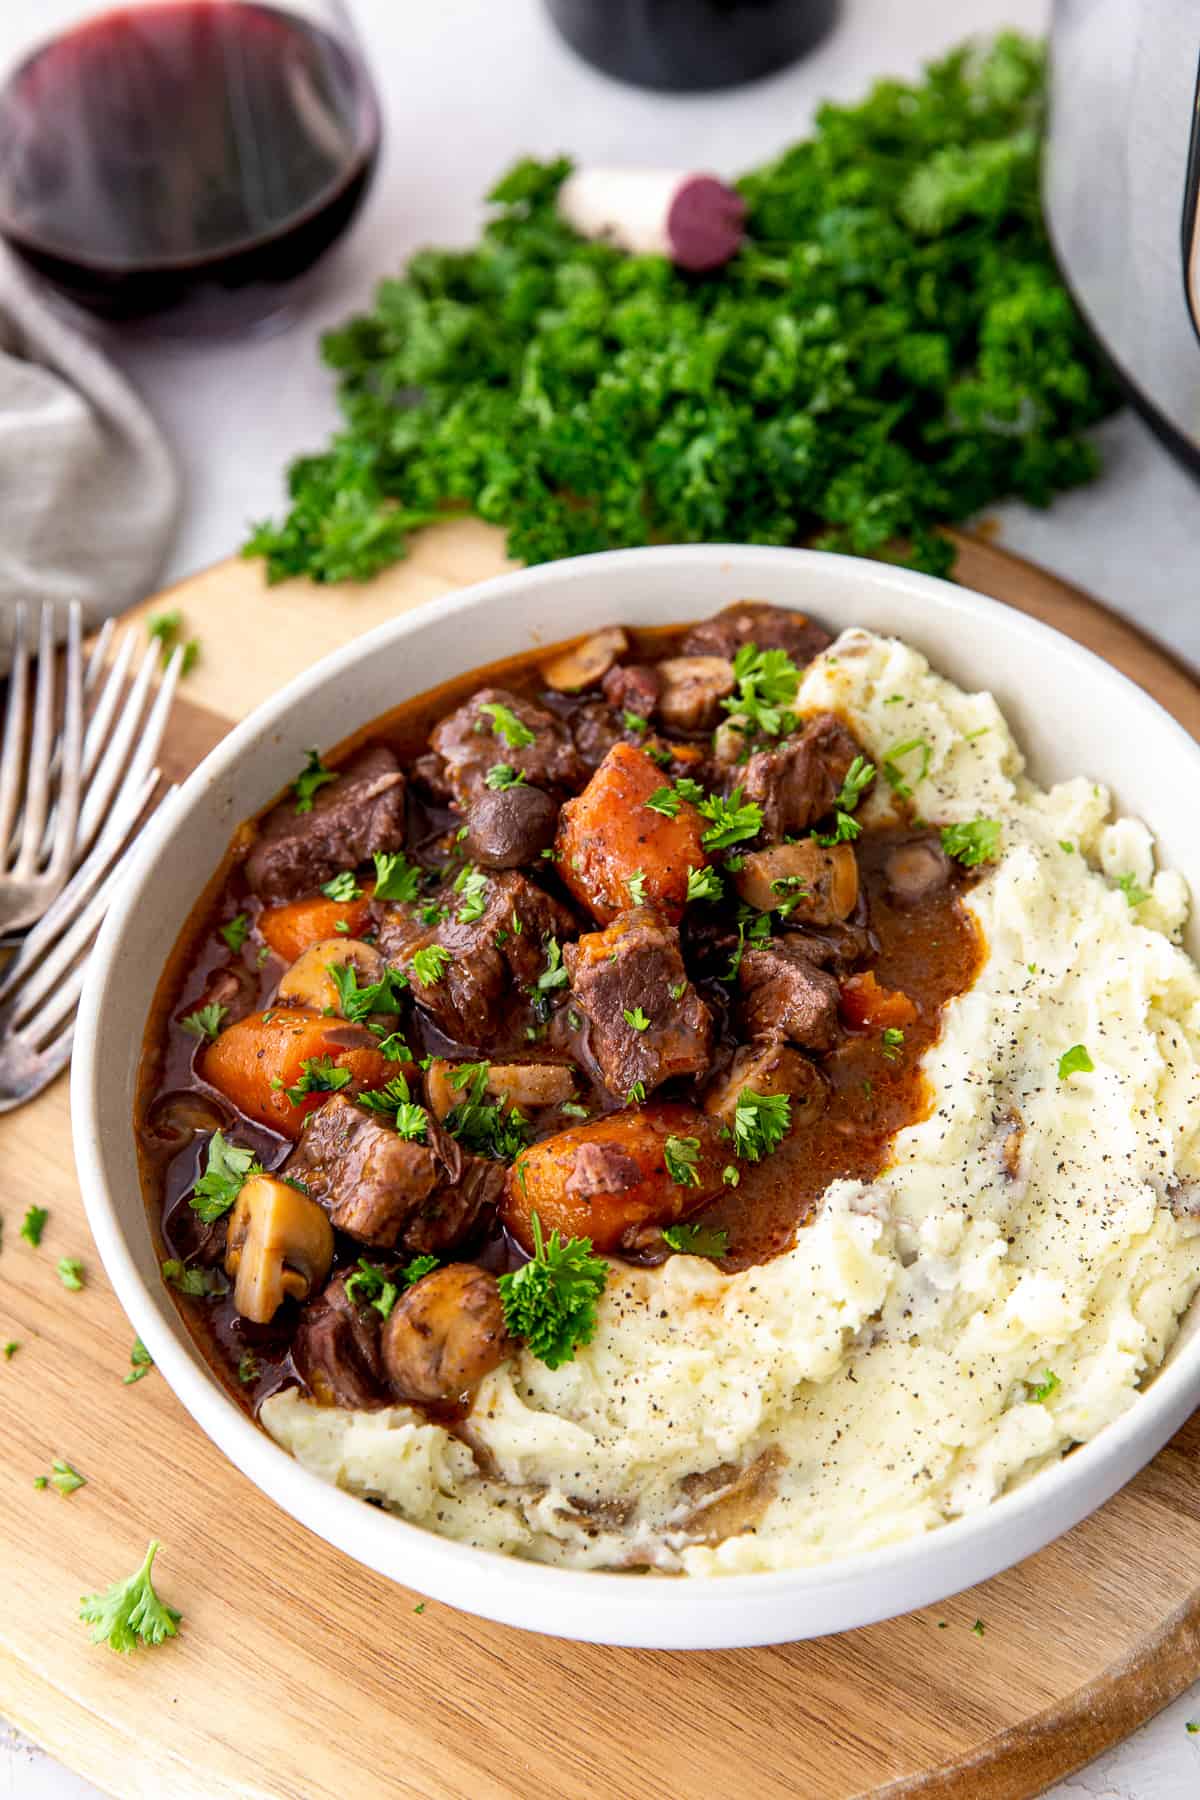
(467, 85)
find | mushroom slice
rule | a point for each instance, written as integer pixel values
(309, 982)
(812, 885)
(587, 664)
(521, 1084)
(772, 1068)
(692, 690)
(280, 1246)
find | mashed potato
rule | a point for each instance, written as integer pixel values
(998, 1294)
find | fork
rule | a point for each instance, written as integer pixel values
(40, 988)
(37, 845)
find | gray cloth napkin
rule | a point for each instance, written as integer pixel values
(88, 492)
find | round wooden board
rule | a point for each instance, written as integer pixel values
(300, 1674)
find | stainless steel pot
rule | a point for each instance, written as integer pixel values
(1122, 172)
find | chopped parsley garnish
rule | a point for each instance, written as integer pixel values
(636, 1095)
(502, 775)
(430, 964)
(342, 887)
(63, 1477)
(248, 1368)
(634, 722)
(1134, 895)
(681, 1155)
(506, 725)
(196, 1283)
(33, 1225)
(753, 929)
(704, 884)
(553, 975)
(767, 683)
(228, 1167)
(130, 1612)
(489, 1128)
(551, 1300)
(312, 776)
(974, 842)
(900, 781)
(358, 1003)
(412, 1121)
(417, 1269)
(409, 1118)
(859, 777)
(191, 656)
(792, 889)
(732, 823)
(573, 1110)
(236, 932)
(393, 1047)
(636, 1018)
(472, 884)
(372, 1286)
(731, 1175)
(892, 1039)
(205, 1022)
(760, 1123)
(70, 1272)
(395, 877)
(658, 753)
(845, 830)
(689, 790)
(10, 1349)
(140, 1363)
(636, 883)
(1046, 1386)
(696, 1240)
(318, 1075)
(977, 1628)
(164, 626)
(664, 800)
(1075, 1061)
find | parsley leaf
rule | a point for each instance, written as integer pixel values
(502, 775)
(140, 1363)
(205, 1022)
(553, 975)
(395, 878)
(636, 883)
(704, 884)
(696, 1240)
(472, 884)
(635, 723)
(70, 1272)
(1046, 1386)
(197, 1284)
(430, 964)
(33, 1225)
(236, 932)
(228, 1167)
(372, 1286)
(164, 626)
(680, 1155)
(318, 1075)
(767, 683)
(358, 1003)
(1075, 1061)
(760, 1123)
(898, 779)
(63, 1477)
(977, 841)
(130, 1612)
(387, 1099)
(892, 1039)
(859, 777)
(506, 725)
(484, 1126)
(732, 823)
(664, 800)
(752, 929)
(312, 776)
(551, 1300)
(1134, 895)
(635, 1017)
(636, 1094)
(343, 887)
(845, 830)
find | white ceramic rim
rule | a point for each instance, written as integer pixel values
(723, 1612)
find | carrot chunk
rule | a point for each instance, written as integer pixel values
(865, 1006)
(615, 852)
(258, 1058)
(292, 929)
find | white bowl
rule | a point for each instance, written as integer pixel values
(1071, 713)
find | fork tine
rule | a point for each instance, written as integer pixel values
(37, 789)
(101, 719)
(39, 1070)
(69, 750)
(98, 655)
(83, 883)
(108, 773)
(55, 980)
(12, 755)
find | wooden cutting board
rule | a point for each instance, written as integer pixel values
(299, 1674)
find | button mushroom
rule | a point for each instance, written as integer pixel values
(309, 983)
(812, 884)
(526, 1085)
(916, 871)
(692, 690)
(444, 1335)
(280, 1246)
(511, 826)
(586, 665)
(768, 1069)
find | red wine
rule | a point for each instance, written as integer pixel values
(687, 45)
(195, 155)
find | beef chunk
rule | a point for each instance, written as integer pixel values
(916, 871)
(383, 1189)
(511, 827)
(784, 995)
(632, 687)
(755, 622)
(838, 948)
(596, 728)
(361, 812)
(693, 688)
(470, 740)
(797, 784)
(633, 969)
(503, 947)
(337, 1350)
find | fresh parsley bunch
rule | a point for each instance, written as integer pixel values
(891, 350)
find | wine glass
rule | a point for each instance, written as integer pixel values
(184, 160)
